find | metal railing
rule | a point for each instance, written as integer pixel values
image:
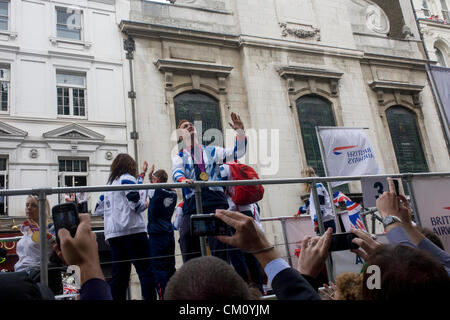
(42, 194)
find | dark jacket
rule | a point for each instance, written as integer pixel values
(289, 284)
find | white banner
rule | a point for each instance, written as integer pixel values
(296, 230)
(433, 203)
(347, 152)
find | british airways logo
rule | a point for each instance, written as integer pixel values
(441, 224)
(354, 156)
(337, 149)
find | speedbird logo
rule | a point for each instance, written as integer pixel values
(337, 149)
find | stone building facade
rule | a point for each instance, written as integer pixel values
(284, 65)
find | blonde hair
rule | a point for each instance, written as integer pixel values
(306, 173)
(47, 204)
(349, 286)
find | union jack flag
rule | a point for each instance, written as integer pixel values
(69, 289)
(352, 217)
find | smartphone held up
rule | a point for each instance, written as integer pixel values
(208, 225)
(65, 215)
(342, 241)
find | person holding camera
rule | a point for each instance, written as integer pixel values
(125, 230)
(287, 283)
(196, 162)
(81, 250)
(397, 219)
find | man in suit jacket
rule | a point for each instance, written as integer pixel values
(287, 283)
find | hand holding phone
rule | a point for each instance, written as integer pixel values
(208, 225)
(65, 215)
(366, 242)
(342, 241)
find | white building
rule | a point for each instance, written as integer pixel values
(62, 115)
(434, 21)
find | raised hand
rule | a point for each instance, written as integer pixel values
(150, 174)
(314, 253)
(237, 123)
(145, 166)
(366, 242)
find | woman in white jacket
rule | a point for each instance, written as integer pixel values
(126, 231)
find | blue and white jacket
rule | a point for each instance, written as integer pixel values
(325, 205)
(213, 157)
(122, 210)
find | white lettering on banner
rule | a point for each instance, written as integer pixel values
(431, 196)
(347, 152)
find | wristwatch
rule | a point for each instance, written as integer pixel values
(390, 220)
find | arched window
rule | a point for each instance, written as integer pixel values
(406, 140)
(313, 111)
(197, 106)
(440, 57)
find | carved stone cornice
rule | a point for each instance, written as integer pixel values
(381, 87)
(211, 70)
(156, 31)
(397, 86)
(290, 73)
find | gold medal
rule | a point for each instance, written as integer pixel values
(35, 236)
(204, 176)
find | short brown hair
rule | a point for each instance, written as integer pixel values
(161, 175)
(406, 273)
(208, 278)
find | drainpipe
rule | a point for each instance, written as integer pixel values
(436, 96)
(129, 46)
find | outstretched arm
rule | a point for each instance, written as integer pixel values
(240, 147)
(82, 250)
(287, 282)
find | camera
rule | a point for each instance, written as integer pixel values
(342, 241)
(65, 215)
(208, 225)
